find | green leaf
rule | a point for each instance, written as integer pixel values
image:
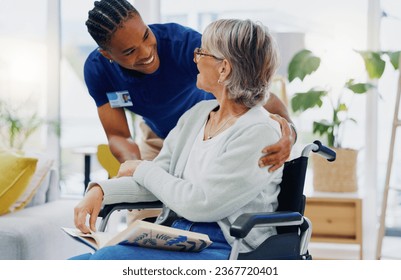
(374, 64)
(306, 100)
(342, 108)
(302, 64)
(359, 88)
(394, 59)
(322, 127)
(325, 128)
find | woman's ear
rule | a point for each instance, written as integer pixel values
(224, 69)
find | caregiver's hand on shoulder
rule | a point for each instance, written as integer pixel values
(277, 154)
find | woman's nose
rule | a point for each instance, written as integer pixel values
(145, 52)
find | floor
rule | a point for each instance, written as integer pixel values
(392, 240)
(391, 248)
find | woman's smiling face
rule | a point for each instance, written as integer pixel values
(134, 47)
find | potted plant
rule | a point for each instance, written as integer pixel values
(18, 124)
(343, 170)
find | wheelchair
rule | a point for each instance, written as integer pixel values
(294, 230)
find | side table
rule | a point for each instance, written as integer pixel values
(336, 218)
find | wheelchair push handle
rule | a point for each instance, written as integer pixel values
(319, 148)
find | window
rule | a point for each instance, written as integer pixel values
(22, 71)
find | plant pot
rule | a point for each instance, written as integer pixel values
(337, 176)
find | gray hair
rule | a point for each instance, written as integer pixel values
(252, 53)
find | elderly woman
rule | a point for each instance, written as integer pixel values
(205, 171)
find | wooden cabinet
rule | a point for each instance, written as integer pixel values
(335, 218)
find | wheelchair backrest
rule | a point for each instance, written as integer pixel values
(291, 197)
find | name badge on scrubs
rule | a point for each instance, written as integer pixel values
(119, 99)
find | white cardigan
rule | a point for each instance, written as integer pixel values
(233, 184)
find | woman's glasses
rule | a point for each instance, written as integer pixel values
(198, 53)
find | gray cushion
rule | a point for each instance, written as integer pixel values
(34, 233)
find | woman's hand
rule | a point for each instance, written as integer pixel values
(128, 168)
(90, 204)
(278, 153)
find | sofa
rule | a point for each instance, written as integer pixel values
(33, 232)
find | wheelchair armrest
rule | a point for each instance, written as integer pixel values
(244, 223)
(108, 209)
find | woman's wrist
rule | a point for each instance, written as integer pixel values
(95, 187)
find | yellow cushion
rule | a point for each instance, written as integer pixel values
(15, 174)
(43, 167)
(107, 160)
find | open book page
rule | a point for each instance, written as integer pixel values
(95, 240)
(145, 234)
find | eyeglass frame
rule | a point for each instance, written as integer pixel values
(198, 54)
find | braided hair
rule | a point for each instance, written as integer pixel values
(106, 17)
